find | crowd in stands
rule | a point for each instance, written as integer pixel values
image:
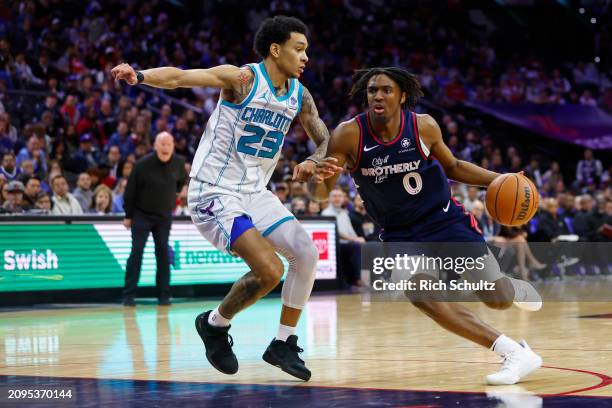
(70, 135)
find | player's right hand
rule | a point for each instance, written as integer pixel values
(124, 72)
(326, 168)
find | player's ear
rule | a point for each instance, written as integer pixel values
(275, 50)
(403, 99)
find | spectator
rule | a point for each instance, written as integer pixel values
(588, 224)
(102, 201)
(112, 164)
(350, 243)
(534, 173)
(26, 170)
(70, 113)
(553, 175)
(87, 156)
(298, 206)
(472, 197)
(32, 189)
(127, 168)
(108, 118)
(586, 221)
(362, 223)
(83, 193)
(588, 170)
(43, 203)
(550, 225)
(567, 210)
(489, 227)
(34, 152)
(43, 69)
(122, 139)
(24, 72)
(9, 170)
(314, 208)
(477, 209)
(64, 203)
(89, 124)
(281, 190)
(14, 200)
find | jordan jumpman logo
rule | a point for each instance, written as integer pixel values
(208, 210)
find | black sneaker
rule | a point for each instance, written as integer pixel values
(284, 354)
(218, 345)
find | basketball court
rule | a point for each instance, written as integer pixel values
(361, 353)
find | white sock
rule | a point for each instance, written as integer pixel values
(503, 345)
(216, 319)
(284, 332)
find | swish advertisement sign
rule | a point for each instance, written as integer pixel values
(80, 256)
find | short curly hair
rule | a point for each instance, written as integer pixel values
(277, 30)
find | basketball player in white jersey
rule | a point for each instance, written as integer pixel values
(228, 199)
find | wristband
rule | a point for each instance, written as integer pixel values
(139, 77)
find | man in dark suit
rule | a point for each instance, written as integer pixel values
(149, 198)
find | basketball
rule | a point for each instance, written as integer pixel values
(512, 199)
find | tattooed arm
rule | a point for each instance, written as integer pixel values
(235, 82)
(317, 131)
(313, 125)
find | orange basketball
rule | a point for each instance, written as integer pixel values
(512, 199)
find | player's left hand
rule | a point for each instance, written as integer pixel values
(304, 171)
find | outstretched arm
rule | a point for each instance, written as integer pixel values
(226, 77)
(315, 129)
(455, 169)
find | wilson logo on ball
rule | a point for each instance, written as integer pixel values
(525, 204)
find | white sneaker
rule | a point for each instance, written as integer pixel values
(517, 365)
(525, 296)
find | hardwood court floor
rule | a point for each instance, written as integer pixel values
(349, 343)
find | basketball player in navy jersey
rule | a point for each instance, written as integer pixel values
(400, 165)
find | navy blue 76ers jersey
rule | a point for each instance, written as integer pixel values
(402, 188)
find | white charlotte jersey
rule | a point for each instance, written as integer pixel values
(242, 142)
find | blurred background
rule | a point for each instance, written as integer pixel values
(515, 85)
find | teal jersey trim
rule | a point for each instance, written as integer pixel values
(262, 67)
(277, 224)
(300, 91)
(249, 97)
